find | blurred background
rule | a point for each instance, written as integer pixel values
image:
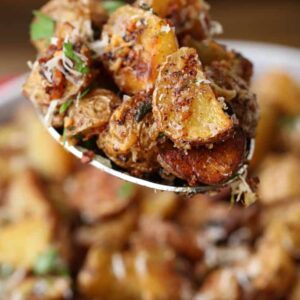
(273, 21)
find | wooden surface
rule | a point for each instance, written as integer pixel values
(276, 21)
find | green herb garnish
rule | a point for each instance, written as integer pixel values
(42, 28)
(126, 190)
(111, 6)
(50, 262)
(143, 110)
(65, 106)
(80, 65)
(85, 92)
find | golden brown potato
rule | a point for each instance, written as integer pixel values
(188, 16)
(21, 243)
(295, 293)
(53, 288)
(184, 105)
(95, 199)
(79, 15)
(91, 114)
(143, 274)
(204, 165)
(279, 90)
(137, 43)
(270, 272)
(43, 153)
(265, 134)
(279, 178)
(112, 234)
(130, 140)
(220, 285)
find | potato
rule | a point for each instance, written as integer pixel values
(161, 205)
(279, 90)
(220, 285)
(279, 178)
(204, 165)
(91, 114)
(95, 199)
(22, 242)
(295, 293)
(26, 198)
(136, 43)
(271, 271)
(34, 87)
(113, 234)
(188, 16)
(265, 134)
(43, 153)
(78, 15)
(130, 139)
(141, 274)
(184, 105)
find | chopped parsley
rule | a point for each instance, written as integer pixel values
(42, 28)
(110, 6)
(143, 110)
(65, 106)
(50, 262)
(85, 92)
(80, 65)
(126, 190)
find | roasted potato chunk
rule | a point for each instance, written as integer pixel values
(91, 114)
(137, 43)
(27, 238)
(95, 199)
(204, 165)
(141, 274)
(279, 178)
(184, 105)
(188, 16)
(68, 15)
(130, 139)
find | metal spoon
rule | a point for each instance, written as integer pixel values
(102, 163)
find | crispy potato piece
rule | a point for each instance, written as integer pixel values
(188, 16)
(141, 274)
(265, 134)
(25, 198)
(22, 242)
(34, 87)
(54, 288)
(137, 42)
(43, 153)
(130, 140)
(112, 234)
(161, 205)
(220, 285)
(271, 271)
(295, 293)
(203, 165)
(279, 178)
(76, 14)
(95, 199)
(92, 113)
(184, 105)
(280, 91)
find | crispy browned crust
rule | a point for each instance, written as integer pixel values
(137, 43)
(203, 165)
(184, 105)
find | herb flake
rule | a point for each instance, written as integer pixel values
(126, 190)
(80, 65)
(42, 28)
(65, 106)
(110, 6)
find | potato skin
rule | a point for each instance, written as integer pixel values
(130, 140)
(137, 43)
(188, 16)
(91, 114)
(184, 105)
(203, 165)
